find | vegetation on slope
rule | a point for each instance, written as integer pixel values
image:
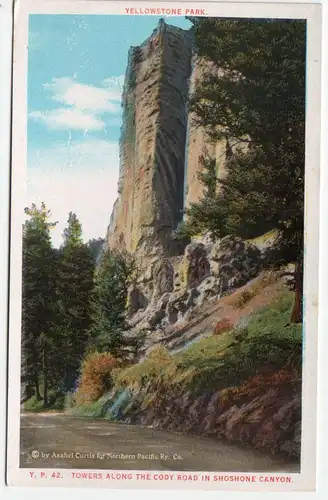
(264, 345)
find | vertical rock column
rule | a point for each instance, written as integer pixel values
(152, 149)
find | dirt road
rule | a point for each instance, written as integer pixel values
(59, 441)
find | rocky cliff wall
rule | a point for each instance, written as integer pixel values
(152, 149)
(161, 146)
(199, 144)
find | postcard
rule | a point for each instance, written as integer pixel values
(164, 245)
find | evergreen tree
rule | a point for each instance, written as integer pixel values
(113, 279)
(39, 301)
(256, 98)
(96, 246)
(204, 216)
(76, 287)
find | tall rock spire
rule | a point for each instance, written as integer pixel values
(152, 147)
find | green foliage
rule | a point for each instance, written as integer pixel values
(72, 235)
(68, 310)
(95, 246)
(39, 306)
(156, 364)
(75, 289)
(33, 404)
(258, 101)
(114, 276)
(56, 401)
(57, 287)
(206, 215)
(219, 362)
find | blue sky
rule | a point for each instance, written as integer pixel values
(76, 70)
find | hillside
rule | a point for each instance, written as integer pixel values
(239, 382)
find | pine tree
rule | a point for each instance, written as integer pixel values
(256, 98)
(96, 247)
(204, 216)
(76, 287)
(113, 279)
(39, 301)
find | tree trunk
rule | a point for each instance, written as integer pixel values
(45, 380)
(37, 388)
(297, 312)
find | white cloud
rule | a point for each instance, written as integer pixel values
(84, 104)
(78, 177)
(85, 97)
(69, 118)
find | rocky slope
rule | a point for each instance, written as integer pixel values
(178, 290)
(264, 412)
(233, 373)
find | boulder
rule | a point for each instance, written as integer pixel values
(208, 288)
(176, 306)
(196, 265)
(156, 312)
(237, 262)
(163, 276)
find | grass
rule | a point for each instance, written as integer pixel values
(88, 410)
(218, 362)
(265, 348)
(33, 405)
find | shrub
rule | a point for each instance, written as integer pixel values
(222, 326)
(157, 362)
(96, 377)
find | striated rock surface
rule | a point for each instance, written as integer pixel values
(264, 412)
(198, 142)
(152, 150)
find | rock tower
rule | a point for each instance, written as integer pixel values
(153, 145)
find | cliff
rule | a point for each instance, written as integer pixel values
(152, 149)
(198, 142)
(161, 146)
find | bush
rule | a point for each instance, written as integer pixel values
(56, 402)
(222, 326)
(157, 362)
(96, 377)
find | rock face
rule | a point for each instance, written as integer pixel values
(198, 142)
(267, 418)
(236, 262)
(152, 150)
(161, 146)
(177, 288)
(160, 157)
(197, 264)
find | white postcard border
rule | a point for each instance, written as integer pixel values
(312, 12)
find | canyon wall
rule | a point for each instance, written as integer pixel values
(199, 143)
(152, 150)
(161, 146)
